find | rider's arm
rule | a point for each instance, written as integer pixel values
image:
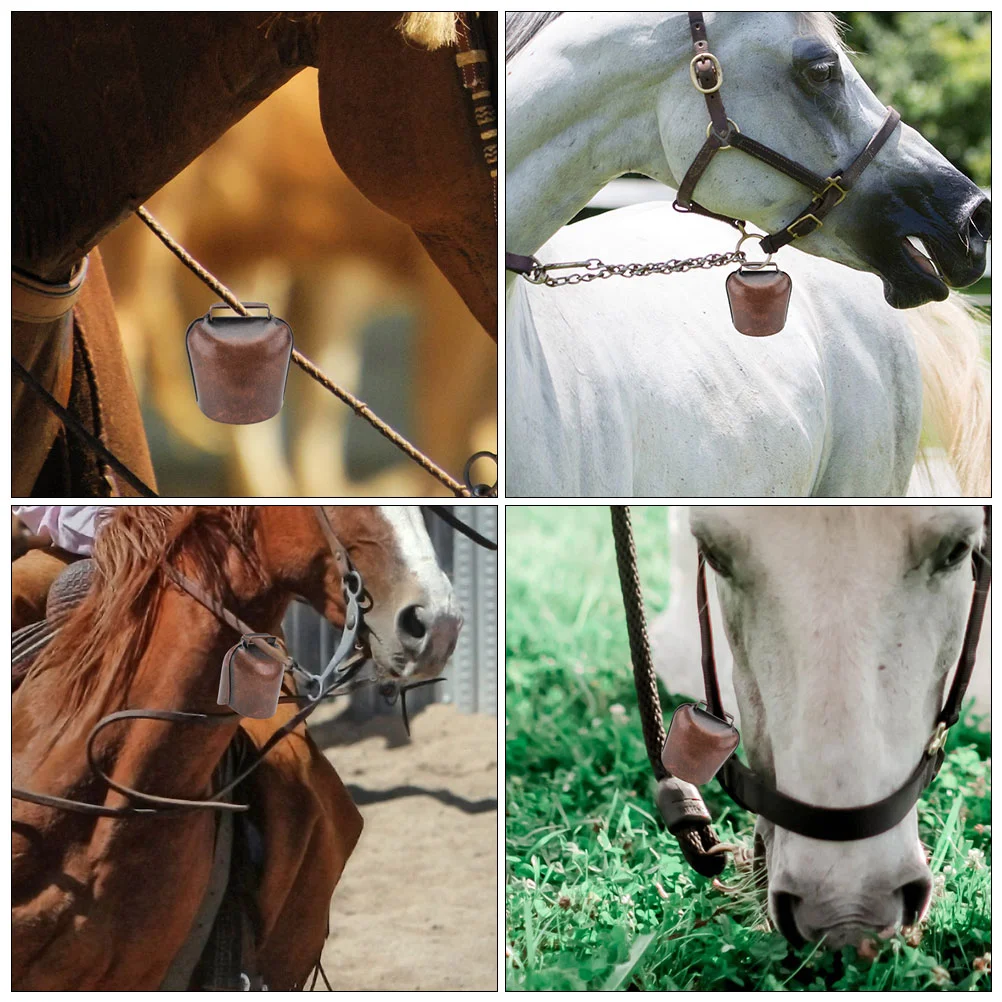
(70, 527)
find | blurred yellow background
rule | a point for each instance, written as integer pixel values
(267, 210)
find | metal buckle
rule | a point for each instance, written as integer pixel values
(732, 127)
(833, 182)
(803, 219)
(716, 66)
(938, 739)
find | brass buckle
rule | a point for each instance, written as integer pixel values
(803, 219)
(732, 127)
(938, 739)
(833, 182)
(716, 66)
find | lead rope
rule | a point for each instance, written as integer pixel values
(361, 408)
(679, 803)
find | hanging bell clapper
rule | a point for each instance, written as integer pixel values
(758, 294)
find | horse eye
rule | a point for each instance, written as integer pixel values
(957, 555)
(717, 562)
(821, 73)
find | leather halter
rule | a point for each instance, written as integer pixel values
(847, 824)
(34, 301)
(722, 134)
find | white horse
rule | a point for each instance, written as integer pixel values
(844, 623)
(646, 388)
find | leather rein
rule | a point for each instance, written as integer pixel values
(722, 133)
(344, 663)
(681, 804)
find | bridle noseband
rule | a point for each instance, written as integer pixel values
(848, 824)
(722, 133)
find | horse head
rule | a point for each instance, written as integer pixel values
(788, 82)
(411, 617)
(593, 96)
(844, 623)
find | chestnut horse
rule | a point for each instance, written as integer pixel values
(106, 903)
(102, 120)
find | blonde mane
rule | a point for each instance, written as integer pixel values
(430, 29)
(950, 339)
(113, 623)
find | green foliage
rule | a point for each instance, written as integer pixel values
(597, 893)
(935, 68)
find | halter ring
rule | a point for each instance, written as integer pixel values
(753, 264)
(732, 127)
(716, 66)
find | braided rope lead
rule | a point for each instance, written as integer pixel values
(680, 804)
(361, 408)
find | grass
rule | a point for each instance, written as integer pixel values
(597, 894)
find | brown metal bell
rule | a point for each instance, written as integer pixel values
(698, 744)
(759, 299)
(239, 364)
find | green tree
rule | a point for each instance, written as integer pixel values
(935, 68)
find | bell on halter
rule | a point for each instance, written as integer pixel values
(239, 364)
(698, 744)
(250, 681)
(759, 296)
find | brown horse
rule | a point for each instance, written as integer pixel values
(106, 903)
(101, 121)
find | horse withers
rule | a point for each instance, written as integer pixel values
(108, 902)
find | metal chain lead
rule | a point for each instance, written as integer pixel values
(358, 406)
(594, 268)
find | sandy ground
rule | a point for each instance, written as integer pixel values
(417, 906)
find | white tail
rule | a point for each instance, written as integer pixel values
(950, 338)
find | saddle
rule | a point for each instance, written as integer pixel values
(65, 594)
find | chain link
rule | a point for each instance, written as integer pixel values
(594, 268)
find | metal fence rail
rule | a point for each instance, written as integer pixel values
(472, 672)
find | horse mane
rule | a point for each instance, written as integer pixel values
(520, 28)
(114, 621)
(956, 390)
(430, 29)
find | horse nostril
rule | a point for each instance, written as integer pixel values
(410, 623)
(785, 906)
(981, 220)
(915, 899)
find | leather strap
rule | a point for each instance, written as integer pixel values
(34, 301)
(830, 824)
(521, 264)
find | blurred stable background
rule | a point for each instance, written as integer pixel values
(267, 210)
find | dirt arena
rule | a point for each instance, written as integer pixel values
(417, 908)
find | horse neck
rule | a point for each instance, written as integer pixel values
(108, 108)
(581, 111)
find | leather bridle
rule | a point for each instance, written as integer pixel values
(848, 824)
(681, 804)
(722, 133)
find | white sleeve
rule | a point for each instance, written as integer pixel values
(70, 527)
